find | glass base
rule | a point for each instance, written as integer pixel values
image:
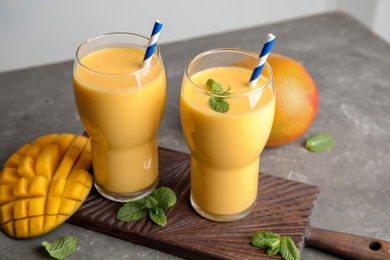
(222, 218)
(126, 197)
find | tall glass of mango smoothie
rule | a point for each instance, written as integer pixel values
(226, 124)
(121, 104)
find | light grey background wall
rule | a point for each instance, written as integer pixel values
(48, 31)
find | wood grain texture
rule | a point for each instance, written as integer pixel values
(283, 206)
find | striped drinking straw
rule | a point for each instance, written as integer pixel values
(152, 43)
(262, 58)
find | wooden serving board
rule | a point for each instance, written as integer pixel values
(283, 206)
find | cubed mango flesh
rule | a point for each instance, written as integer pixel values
(43, 183)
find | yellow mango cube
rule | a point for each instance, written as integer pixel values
(63, 141)
(61, 218)
(6, 213)
(6, 194)
(39, 186)
(26, 168)
(14, 160)
(73, 190)
(57, 187)
(80, 176)
(21, 208)
(23, 150)
(22, 188)
(48, 161)
(22, 227)
(85, 159)
(36, 225)
(53, 205)
(8, 228)
(44, 140)
(9, 176)
(86, 190)
(67, 206)
(36, 206)
(34, 151)
(50, 222)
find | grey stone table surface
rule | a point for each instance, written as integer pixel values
(351, 67)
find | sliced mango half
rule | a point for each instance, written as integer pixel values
(43, 183)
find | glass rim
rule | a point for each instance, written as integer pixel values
(233, 95)
(156, 50)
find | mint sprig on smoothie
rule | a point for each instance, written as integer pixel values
(217, 103)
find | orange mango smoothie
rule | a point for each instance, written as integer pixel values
(121, 106)
(225, 147)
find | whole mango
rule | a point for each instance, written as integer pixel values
(296, 100)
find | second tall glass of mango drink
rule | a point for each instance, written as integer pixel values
(121, 104)
(226, 124)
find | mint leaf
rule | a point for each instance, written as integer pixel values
(266, 239)
(272, 252)
(158, 216)
(320, 142)
(288, 250)
(133, 210)
(153, 205)
(61, 248)
(218, 105)
(274, 244)
(215, 87)
(150, 202)
(165, 197)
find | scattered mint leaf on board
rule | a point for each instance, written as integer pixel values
(153, 205)
(158, 216)
(265, 239)
(275, 244)
(133, 210)
(320, 142)
(61, 248)
(165, 197)
(288, 250)
(217, 103)
(272, 252)
(150, 202)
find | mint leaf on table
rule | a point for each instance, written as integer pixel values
(217, 103)
(61, 248)
(275, 244)
(153, 205)
(320, 142)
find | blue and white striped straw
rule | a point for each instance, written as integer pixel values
(262, 59)
(152, 43)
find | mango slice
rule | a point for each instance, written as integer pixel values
(43, 183)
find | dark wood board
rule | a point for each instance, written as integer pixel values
(283, 206)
